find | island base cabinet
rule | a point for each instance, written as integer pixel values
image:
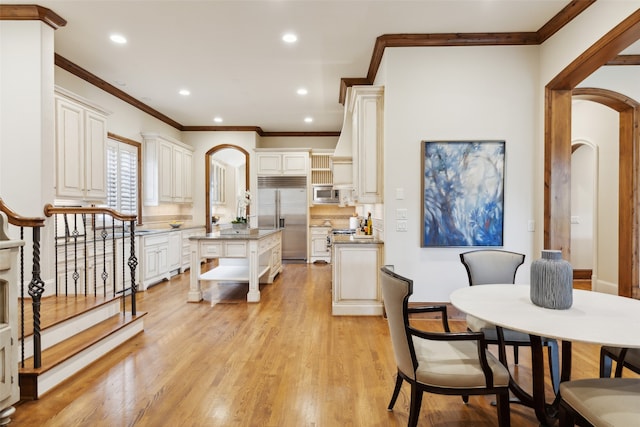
(356, 287)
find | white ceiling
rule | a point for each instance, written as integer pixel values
(229, 54)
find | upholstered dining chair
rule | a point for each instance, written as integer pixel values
(492, 266)
(595, 402)
(624, 358)
(438, 362)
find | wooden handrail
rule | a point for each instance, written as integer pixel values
(19, 220)
(50, 210)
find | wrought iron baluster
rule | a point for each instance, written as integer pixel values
(84, 235)
(133, 262)
(22, 299)
(36, 289)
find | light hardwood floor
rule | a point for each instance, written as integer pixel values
(282, 362)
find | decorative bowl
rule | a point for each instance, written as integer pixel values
(175, 224)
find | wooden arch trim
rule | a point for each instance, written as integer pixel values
(629, 165)
(557, 148)
(207, 177)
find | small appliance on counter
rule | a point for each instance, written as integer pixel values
(354, 223)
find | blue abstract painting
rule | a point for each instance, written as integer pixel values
(463, 190)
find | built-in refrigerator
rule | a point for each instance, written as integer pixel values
(282, 203)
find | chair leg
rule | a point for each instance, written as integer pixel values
(565, 417)
(416, 403)
(515, 354)
(465, 399)
(605, 365)
(502, 403)
(554, 365)
(396, 392)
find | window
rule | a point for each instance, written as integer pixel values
(122, 176)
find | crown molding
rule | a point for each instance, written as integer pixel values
(30, 12)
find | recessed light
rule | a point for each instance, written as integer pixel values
(302, 91)
(217, 119)
(308, 119)
(184, 92)
(118, 38)
(290, 38)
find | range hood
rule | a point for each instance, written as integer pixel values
(342, 160)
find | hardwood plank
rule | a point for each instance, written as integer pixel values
(54, 310)
(282, 362)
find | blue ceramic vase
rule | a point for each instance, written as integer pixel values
(552, 281)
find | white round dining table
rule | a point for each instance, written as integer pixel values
(594, 318)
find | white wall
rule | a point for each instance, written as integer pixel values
(203, 142)
(457, 93)
(583, 193)
(599, 124)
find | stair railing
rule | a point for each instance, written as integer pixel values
(89, 231)
(36, 284)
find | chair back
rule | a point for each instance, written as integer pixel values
(395, 294)
(491, 266)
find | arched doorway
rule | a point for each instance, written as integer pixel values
(208, 159)
(557, 148)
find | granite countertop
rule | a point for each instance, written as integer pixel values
(143, 231)
(341, 239)
(216, 235)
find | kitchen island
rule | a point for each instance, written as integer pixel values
(251, 256)
(355, 284)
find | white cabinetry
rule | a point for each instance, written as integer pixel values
(9, 390)
(357, 163)
(282, 163)
(321, 169)
(81, 137)
(367, 146)
(320, 250)
(168, 165)
(175, 251)
(356, 288)
(155, 259)
(186, 246)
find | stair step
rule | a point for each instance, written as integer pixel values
(67, 352)
(75, 323)
(57, 310)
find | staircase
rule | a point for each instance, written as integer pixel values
(76, 340)
(93, 309)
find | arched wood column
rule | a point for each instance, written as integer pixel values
(557, 157)
(629, 160)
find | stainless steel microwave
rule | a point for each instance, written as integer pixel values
(325, 194)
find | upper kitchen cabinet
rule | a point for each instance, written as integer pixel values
(168, 165)
(81, 138)
(321, 168)
(357, 162)
(282, 162)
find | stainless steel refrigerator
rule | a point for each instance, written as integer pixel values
(282, 203)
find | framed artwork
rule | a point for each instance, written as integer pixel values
(463, 193)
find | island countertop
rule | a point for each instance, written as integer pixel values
(351, 240)
(217, 235)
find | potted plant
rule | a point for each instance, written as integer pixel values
(240, 222)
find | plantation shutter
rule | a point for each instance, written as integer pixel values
(122, 177)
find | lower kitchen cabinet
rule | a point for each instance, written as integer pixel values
(355, 283)
(320, 248)
(155, 259)
(185, 260)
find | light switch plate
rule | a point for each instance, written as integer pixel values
(401, 214)
(401, 225)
